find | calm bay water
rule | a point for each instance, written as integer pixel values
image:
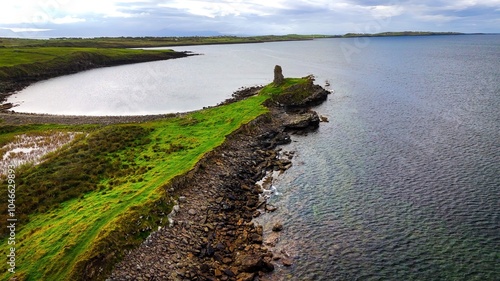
(403, 183)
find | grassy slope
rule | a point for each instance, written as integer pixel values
(21, 66)
(52, 243)
(25, 55)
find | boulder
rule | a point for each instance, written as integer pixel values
(277, 227)
(245, 276)
(303, 121)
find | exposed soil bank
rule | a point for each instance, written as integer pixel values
(212, 236)
(20, 76)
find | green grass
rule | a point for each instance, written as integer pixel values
(21, 66)
(68, 230)
(273, 90)
(402, 33)
(19, 56)
(140, 42)
(291, 92)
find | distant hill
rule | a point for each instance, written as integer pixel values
(400, 33)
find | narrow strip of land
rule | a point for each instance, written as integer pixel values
(86, 205)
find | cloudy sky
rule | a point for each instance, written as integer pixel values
(91, 18)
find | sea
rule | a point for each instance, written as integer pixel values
(402, 182)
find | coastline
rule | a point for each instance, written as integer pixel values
(9, 117)
(216, 200)
(18, 77)
(212, 234)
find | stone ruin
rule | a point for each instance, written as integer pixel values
(278, 76)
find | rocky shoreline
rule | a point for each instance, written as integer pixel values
(211, 234)
(9, 117)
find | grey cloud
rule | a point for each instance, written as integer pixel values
(147, 18)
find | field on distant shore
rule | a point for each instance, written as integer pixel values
(142, 42)
(30, 55)
(21, 66)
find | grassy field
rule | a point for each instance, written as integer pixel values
(104, 193)
(30, 55)
(21, 66)
(402, 33)
(141, 42)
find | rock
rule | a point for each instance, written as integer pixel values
(271, 208)
(317, 97)
(323, 118)
(217, 273)
(268, 265)
(192, 212)
(229, 272)
(245, 276)
(282, 138)
(176, 209)
(277, 227)
(250, 262)
(286, 261)
(252, 202)
(182, 199)
(278, 75)
(303, 121)
(205, 268)
(259, 229)
(256, 238)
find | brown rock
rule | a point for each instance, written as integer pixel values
(286, 261)
(303, 121)
(256, 238)
(277, 227)
(250, 262)
(217, 272)
(229, 272)
(271, 208)
(268, 265)
(245, 276)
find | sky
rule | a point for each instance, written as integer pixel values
(96, 18)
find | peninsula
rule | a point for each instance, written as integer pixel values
(181, 186)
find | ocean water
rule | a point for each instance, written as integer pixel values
(402, 183)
